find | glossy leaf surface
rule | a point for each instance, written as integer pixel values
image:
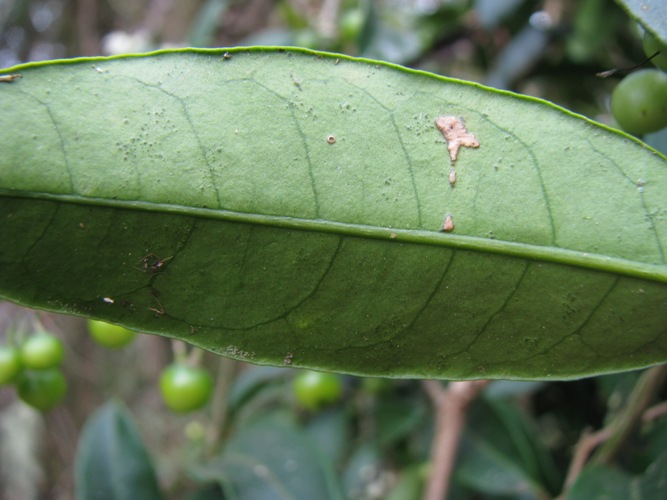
(284, 207)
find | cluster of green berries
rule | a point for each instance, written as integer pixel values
(639, 101)
(183, 387)
(34, 368)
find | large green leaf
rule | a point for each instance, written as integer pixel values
(284, 207)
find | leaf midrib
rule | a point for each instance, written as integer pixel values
(586, 260)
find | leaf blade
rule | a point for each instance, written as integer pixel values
(269, 231)
(112, 461)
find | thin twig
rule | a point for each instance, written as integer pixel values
(645, 390)
(195, 356)
(327, 18)
(86, 20)
(610, 72)
(584, 447)
(655, 412)
(611, 439)
(179, 351)
(450, 405)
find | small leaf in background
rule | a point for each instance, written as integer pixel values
(500, 453)
(653, 483)
(602, 481)
(363, 469)
(329, 431)
(271, 459)
(112, 462)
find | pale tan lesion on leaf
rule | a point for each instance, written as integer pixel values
(456, 134)
(9, 78)
(447, 224)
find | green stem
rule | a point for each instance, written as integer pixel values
(219, 410)
(179, 351)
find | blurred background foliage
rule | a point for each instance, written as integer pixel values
(551, 48)
(374, 442)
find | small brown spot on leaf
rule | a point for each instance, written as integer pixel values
(331, 139)
(456, 135)
(152, 263)
(452, 177)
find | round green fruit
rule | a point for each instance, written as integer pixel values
(108, 335)
(639, 102)
(351, 23)
(314, 390)
(42, 389)
(185, 388)
(10, 364)
(651, 46)
(42, 351)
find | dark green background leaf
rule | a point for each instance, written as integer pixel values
(112, 462)
(501, 454)
(601, 481)
(196, 194)
(268, 459)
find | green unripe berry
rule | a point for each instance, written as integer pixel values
(653, 45)
(109, 335)
(639, 102)
(10, 364)
(351, 23)
(41, 389)
(42, 351)
(185, 388)
(314, 390)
